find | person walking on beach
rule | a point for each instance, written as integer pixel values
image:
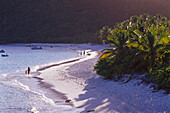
(29, 70)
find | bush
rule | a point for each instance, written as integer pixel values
(141, 45)
(104, 68)
(161, 75)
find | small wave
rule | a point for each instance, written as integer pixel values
(25, 87)
(34, 110)
(4, 75)
(35, 68)
(17, 70)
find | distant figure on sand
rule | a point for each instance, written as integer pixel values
(80, 52)
(29, 70)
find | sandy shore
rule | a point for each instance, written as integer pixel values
(89, 92)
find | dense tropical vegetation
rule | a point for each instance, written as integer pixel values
(140, 45)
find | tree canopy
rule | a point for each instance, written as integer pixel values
(141, 45)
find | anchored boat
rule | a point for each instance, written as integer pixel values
(36, 48)
(2, 51)
(5, 55)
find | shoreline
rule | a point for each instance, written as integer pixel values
(35, 81)
(58, 64)
(73, 87)
(89, 92)
(37, 84)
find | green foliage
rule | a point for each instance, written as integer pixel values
(140, 45)
(112, 68)
(150, 43)
(103, 67)
(104, 33)
(118, 39)
(161, 75)
(161, 78)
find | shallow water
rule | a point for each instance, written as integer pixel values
(16, 97)
(20, 57)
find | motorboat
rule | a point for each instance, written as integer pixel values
(2, 51)
(36, 48)
(5, 55)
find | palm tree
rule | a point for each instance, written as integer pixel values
(118, 39)
(151, 43)
(104, 33)
(142, 37)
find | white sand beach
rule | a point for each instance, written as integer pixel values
(89, 92)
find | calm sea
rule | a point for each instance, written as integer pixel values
(13, 97)
(20, 57)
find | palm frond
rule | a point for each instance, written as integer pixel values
(138, 33)
(164, 38)
(106, 54)
(111, 41)
(108, 50)
(158, 47)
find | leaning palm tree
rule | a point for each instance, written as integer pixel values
(118, 39)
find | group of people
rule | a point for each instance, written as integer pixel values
(82, 52)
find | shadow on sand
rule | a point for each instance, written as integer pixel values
(100, 100)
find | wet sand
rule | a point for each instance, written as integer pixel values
(46, 67)
(37, 84)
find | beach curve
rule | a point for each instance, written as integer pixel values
(88, 91)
